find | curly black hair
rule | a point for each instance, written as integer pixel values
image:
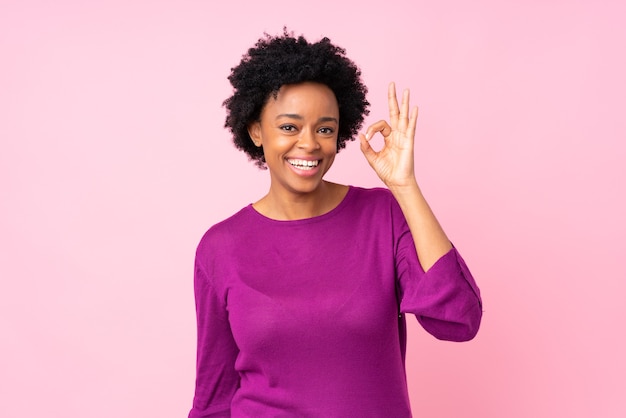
(278, 60)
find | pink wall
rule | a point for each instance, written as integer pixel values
(114, 162)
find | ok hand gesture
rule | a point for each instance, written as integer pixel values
(394, 162)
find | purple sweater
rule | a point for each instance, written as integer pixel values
(305, 318)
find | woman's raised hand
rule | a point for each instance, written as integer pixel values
(394, 162)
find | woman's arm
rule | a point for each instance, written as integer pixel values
(442, 294)
(216, 377)
(394, 164)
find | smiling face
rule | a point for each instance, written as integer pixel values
(298, 133)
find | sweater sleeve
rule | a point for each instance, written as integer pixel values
(445, 299)
(216, 377)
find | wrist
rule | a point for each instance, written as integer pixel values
(402, 188)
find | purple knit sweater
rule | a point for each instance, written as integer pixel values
(305, 318)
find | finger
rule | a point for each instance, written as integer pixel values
(366, 149)
(403, 120)
(394, 112)
(412, 122)
(381, 126)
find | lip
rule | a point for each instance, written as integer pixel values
(302, 172)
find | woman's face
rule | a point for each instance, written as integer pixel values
(298, 132)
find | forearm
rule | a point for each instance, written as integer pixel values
(429, 237)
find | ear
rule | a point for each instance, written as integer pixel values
(254, 130)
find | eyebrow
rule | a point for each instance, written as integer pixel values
(296, 116)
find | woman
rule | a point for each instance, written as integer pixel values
(301, 296)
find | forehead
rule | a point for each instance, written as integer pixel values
(303, 97)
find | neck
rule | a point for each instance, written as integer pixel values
(292, 206)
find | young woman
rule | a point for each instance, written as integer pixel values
(301, 296)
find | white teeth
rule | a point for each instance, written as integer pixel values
(303, 164)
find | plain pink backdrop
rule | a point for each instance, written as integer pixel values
(114, 161)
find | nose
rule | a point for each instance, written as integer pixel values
(308, 140)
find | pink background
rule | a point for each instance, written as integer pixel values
(114, 162)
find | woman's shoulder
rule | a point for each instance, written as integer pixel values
(360, 195)
(376, 202)
(223, 232)
(371, 192)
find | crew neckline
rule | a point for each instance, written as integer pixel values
(331, 213)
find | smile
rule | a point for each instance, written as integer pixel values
(304, 164)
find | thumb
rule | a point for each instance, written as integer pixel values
(367, 149)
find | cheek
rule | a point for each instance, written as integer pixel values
(331, 151)
(330, 146)
(276, 147)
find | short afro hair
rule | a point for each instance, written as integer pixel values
(275, 61)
